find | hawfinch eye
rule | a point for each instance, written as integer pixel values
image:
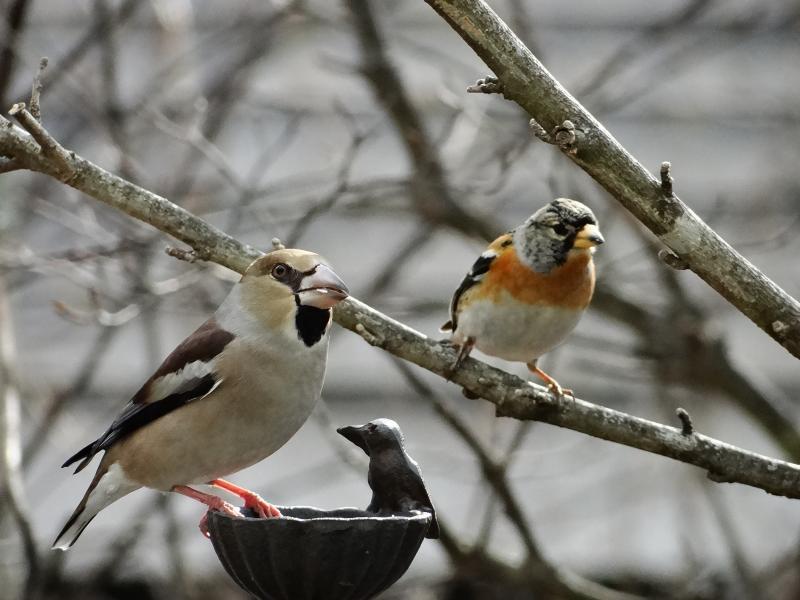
(280, 271)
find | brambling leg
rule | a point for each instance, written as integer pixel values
(463, 352)
(262, 508)
(551, 383)
(213, 503)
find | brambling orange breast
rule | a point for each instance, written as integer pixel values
(528, 290)
(229, 396)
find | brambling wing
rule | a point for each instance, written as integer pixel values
(479, 268)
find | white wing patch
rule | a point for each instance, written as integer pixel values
(181, 381)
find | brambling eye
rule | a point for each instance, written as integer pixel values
(280, 271)
(560, 229)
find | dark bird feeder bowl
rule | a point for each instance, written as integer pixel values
(313, 554)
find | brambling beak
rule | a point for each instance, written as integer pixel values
(354, 434)
(588, 237)
(322, 289)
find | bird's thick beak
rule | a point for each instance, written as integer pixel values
(354, 435)
(322, 289)
(588, 237)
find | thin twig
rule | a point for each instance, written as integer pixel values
(93, 35)
(10, 444)
(687, 427)
(430, 192)
(487, 85)
(666, 178)
(36, 90)
(513, 396)
(329, 200)
(528, 83)
(14, 16)
(549, 578)
(189, 256)
(492, 469)
(49, 146)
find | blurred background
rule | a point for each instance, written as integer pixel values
(344, 127)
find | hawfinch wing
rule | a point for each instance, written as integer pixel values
(187, 374)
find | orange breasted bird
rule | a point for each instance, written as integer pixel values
(528, 290)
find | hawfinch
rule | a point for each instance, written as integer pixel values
(228, 396)
(528, 290)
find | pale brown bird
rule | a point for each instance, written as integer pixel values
(227, 397)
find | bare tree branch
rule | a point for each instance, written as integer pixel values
(430, 191)
(208, 242)
(15, 24)
(526, 81)
(10, 443)
(513, 396)
(92, 36)
(520, 399)
(36, 90)
(545, 576)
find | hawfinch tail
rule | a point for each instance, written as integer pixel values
(528, 290)
(227, 397)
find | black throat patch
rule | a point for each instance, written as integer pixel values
(311, 323)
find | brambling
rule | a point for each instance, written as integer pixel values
(394, 477)
(228, 396)
(528, 290)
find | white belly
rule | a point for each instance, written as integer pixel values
(212, 438)
(515, 331)
(265, 416)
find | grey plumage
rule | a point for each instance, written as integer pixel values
(544, 239)
(394, 477)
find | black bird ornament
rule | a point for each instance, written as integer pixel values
(394, 477)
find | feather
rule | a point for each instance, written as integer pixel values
(479, 268)
(109, 485)
(187, 374)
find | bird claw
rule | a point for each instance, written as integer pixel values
(223, 507)
(552, 385)
(463, 352)
(252, 501)
(559, 392)
(203, 525)
(261, 507)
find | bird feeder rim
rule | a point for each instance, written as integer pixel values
(323, 515)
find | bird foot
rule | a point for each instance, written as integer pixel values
(463, 352)
(560, 392)
(211, 501)
(253, 501)
(223, 507)
(552, 385)
(262, 508)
